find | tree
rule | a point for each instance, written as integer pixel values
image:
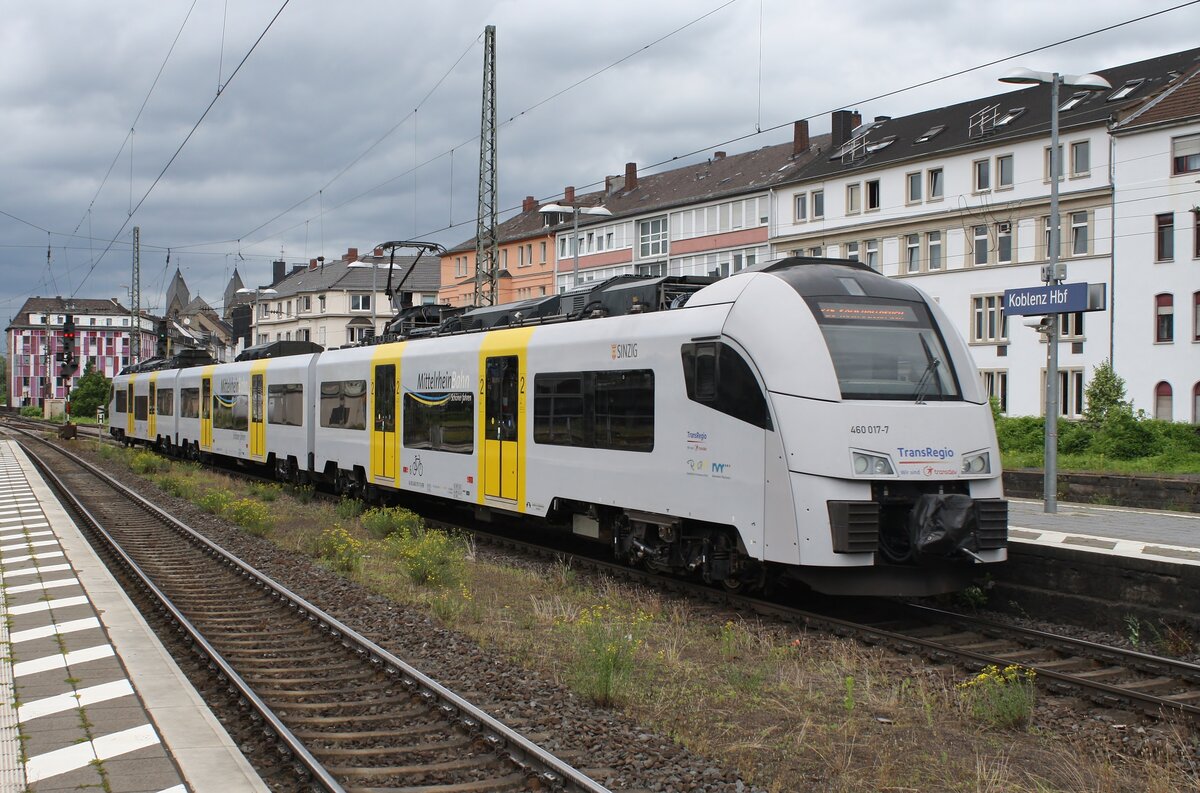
(3, 381)
(1105, 395)
(91, 391)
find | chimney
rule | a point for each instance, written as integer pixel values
(378, 251)
(312, 264)
(630, 176)
(844, 122)
(718, 155)
(278, 271)
(569, 195)
(800, 137)
(529, 204)
(351, 255)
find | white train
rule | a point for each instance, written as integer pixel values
(809, 418)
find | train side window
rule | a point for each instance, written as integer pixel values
(285, 404)
(717, 376)
(122, 402)
(166, 402)
(189, 403)
(140, 411)
(558, 414)
(443, 422)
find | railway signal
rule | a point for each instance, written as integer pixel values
(69, 364)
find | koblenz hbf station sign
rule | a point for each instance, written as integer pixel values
(1054, 299)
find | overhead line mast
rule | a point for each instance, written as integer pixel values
(486, 241)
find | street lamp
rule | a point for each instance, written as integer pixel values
(575, 211)
(1053, 273)
(257, 292)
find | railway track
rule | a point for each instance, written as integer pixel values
(347, 713)
(1108, 675)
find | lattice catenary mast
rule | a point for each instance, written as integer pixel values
(135, 297)
(486, 242)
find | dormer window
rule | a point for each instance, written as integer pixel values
(1075, 99)
(1009, 116)
(930, 133)
(880, 144)
(1127, 89)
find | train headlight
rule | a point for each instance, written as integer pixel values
(872, 464)
(977, 463)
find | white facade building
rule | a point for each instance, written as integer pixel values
(958, 199)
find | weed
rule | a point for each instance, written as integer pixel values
(430, 557)
(148, 463)
(349, 508)
(215, 501)
(607, 643)
(848, 699)
(340, 550)
(383, 521)
(175, 485)
(1133, 630)
(563, 575)
(729, 641)
(1174, 639)
(304, 493)
(450, 606)
(973, 597)
(1000, 697)
(253, 516)
(265, 491)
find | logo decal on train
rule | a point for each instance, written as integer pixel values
(626, 350)
(443, 381)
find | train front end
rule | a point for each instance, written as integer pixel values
(893, 469)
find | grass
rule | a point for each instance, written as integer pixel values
(790, 710)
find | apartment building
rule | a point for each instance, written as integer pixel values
(958, 199)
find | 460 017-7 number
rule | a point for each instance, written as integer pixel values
(868, 429)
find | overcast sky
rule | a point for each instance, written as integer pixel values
(357, 122)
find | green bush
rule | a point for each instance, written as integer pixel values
(1122, 437)
(32, 412)
(145, 463)
(175, 485)
(1000, 697)
(607, 643)
(1074, 437)
(1021, 433)
(253, 516)
(382, 521)
(430, 557)
(340, 550)
(349, 508)
(215, 501)
(304, 493)
(265, 491)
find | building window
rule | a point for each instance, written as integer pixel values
(1075, 99)
(1004, 172)
(1196, 403)
(995, 384)
(872, 248)
(543, 252)
(933, 243)
(321, 301)
(1070, 326)
(1196, 233)
(1125, 90)
(653, 237)
(306, 302)
(936, 184)
(988, 323)
(1046, 237)
(1070, 392)
(873, 194)
(1004, 243)
(913, 195)
(521, 254)
(801, 207)
(1079, 233)
(360, 302)
(1046, 169)
(853, 198)
(1163, 408)
(1164, 237)
(983, 175)
(816, 252)
(1081, 160)
(1185, 154)
(980, 244)
(852, 251)
(1196, 316)
(912, 244)
(818, 203)
(1164, 318)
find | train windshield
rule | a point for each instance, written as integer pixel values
(885, 349)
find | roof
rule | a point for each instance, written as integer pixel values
(1178, 101)
(710, 180)
(68, 305)
(1092, 108)
(359, 275)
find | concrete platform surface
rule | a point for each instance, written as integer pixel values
(1123, 531)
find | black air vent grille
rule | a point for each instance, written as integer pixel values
(855, 526)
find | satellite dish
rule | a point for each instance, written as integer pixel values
(187, 320)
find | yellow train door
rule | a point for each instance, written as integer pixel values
(385, 450)
(258, 411)
(501, 443)
(129, 432)
(206, 418)
(152, 409)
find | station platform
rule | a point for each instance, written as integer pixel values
(88, 696)
(1152, 535)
